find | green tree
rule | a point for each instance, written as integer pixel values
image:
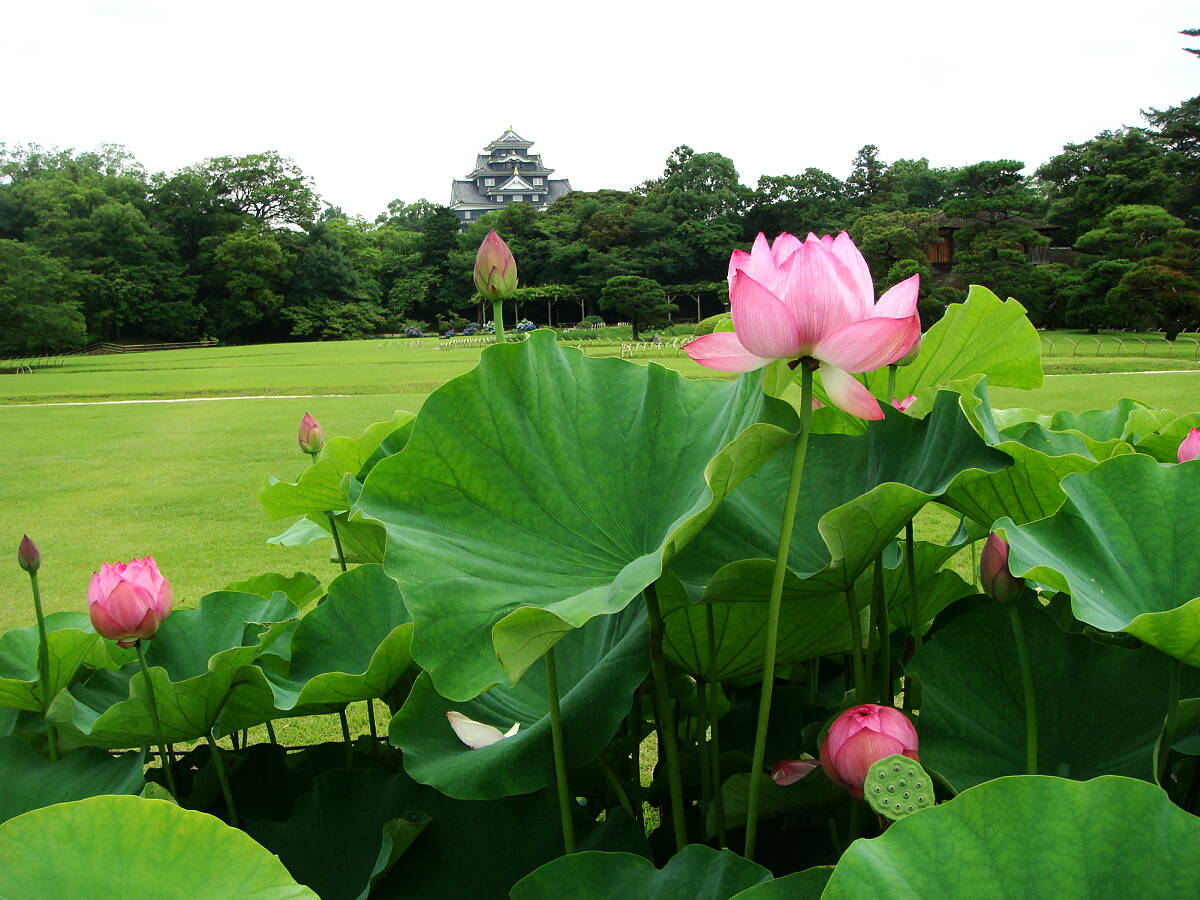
(38, 302)
(869, 182)
(1130, 232)
(269, 187)
(249, 271)
(797, 204)
(886, 238)
(641, 300)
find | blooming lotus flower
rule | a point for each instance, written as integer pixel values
(1189, 448)
(859, 738)
(495, 269)
(310, 435)
(128, 601)
(789, 771)
(477, 735)
(904, 403)
(28, 557)
(994, 576)
(814, 299)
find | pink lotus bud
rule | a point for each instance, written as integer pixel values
(994, 576)
(495, 269)
(310, 436)
(1189, 448)
(859, 738)
(789, 771)
(913, 352)
(28, 557)
(904, 404)
(128, 601)
(478, 735)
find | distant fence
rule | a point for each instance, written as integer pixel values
(668, 347)
(1125, 345)
(103, 347)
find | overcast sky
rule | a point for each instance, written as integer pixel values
(393, 100)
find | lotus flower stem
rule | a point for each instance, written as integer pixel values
(1172, 722)
(814, 678)
(346, 738)
(706, 785)
(910, 563)
(158, 734)
(560, 758)
(1031, 755)
(886, 696)
(615, 783)
(498, 319)
(667, 746)
(718, 795)
(337, 541)
(774, 602)
(43, 662)
(371, 720)
(271, 733)
(230, 809)
(860, 678)
(891, 382)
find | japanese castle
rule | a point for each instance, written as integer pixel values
(505, 172)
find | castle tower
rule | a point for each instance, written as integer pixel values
(506, 172)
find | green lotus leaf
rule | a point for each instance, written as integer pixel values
(696, 872)
(812, 620)
(301, 588)
(1125, 545)
(1031, 836)
(198, 657)
(859, 491)
(599, 667)
(130, 847)
(345, 833)
(1162, 442)
(31, 781)
(814, 794)
(545, 488)
(71, 642)
(354, 646)
(805, 885)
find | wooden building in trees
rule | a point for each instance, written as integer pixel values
(505, 172)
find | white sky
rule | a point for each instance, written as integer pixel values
(383, 100)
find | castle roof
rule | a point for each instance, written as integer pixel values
(509, 139)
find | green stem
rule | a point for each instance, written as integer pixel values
(886, 696)
(1031, 756)
(715, 756)
(706, 785)
(44, 664)
(346, 738)
(855, 825)
(337, 541)
(371, 720)
(814, 678)
(891, 392)
(667, 746)
(162, 744)
(560, 758)
(860, 678)
(914, 602)
(271, 733)
(615, 783)
(230, 809)
(773, 606)
(1172, 722)
(498, 319)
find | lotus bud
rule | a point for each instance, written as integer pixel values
(789, 771)
(859, 738)
(1189, 448)
(478, 735)
(128, 601)
(310, 436)
(994, 576)
(904, 404)
(911, 356)
(495, 269)
(28, 557)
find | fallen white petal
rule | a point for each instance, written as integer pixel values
(477, 735)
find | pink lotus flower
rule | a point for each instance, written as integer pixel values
(859, 738)
(994, 576)
(28, 557)
(904, 403)
(128, 601)
(495, 269)
(310, 435)
(789, 771)
(1189, 448)
(813, 299)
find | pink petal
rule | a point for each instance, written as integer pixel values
(789, 771)
(103, 623)
(764, 325)
(722, 351)
(848, 394)
(783, 248)
(843, 248)
(762, 268)
(868, 344)
(738, 259)
(127, 605)
(900, 300)
(1190, 447)
(820, 294)
(859, 753)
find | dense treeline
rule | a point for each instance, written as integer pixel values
(92, 247)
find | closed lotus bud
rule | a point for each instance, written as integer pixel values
(28, 557)
(1189, 448)
(128, 601)
(911, 356)
(310, 436)
(495, 269)
(859, 738)
(994, 576)
(789, 771)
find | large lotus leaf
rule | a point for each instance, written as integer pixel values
(197, 658)
(1163, 442)
(301, 588)
(805, 885)
(71, 642)
(812, 621)
(345, 833)
(599, 667)
(814, 794)
(858, 492)
(696, 872)
(1031, 836)
(354, 646)
(1100, 708)
(114, 847)
(31, 781)
(545, 488)
(1126, 546)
